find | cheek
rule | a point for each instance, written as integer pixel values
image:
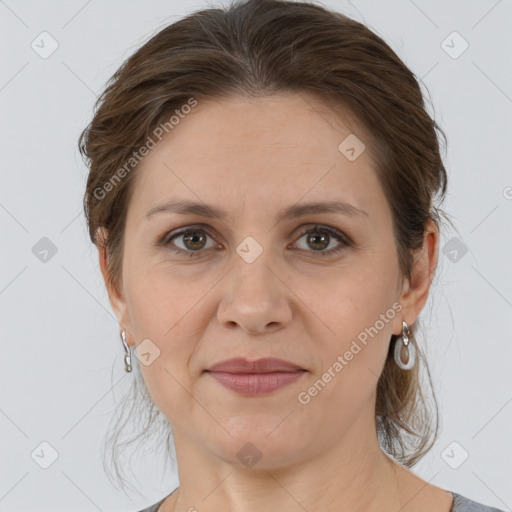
(164, 312)
(151, 303)
(160, 295)
(167, 308)
(359, 306)
(360, 311)
(158, 311)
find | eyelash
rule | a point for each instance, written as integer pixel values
(345, 241)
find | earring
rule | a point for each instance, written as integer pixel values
(127, 353)
(405, 352)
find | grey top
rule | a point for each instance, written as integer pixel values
(460, 504)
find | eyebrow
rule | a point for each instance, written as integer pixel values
(185, 207)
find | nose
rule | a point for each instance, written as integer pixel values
(255, 298)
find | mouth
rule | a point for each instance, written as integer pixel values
(264, 365)
(255, 378)
(256, 384)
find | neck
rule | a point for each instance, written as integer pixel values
(354, 475)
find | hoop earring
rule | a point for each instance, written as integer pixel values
(405, 351)
(127, 353)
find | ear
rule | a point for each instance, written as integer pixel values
(114, 290)
(415, 291)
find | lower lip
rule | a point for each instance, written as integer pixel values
(255, 384)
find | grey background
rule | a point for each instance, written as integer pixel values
(59, 336)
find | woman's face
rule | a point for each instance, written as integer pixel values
(255, 284)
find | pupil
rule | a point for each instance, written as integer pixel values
(193, 239)
(323, 238)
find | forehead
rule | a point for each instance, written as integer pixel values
(265, 151)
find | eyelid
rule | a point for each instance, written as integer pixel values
(336, 233)
(169, 235)
(344, 240)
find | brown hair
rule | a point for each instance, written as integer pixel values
(258, 48)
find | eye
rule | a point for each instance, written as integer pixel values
(318, 238)
(193, 240)
(190, 241)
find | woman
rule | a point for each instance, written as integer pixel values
(261, 192)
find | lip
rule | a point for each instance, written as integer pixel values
(256, 384)
(263, 365)
(255, 378)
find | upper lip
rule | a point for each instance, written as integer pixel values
(264, 365)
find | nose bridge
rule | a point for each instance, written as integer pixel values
(254, 297)
(252, 280)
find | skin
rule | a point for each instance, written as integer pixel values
(252, 157)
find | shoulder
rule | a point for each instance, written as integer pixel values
(460, 504)
(463, 504)
(153, 508)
